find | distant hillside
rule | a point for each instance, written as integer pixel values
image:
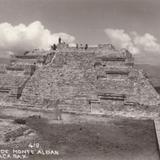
(153, 73)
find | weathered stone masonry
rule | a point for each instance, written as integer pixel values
(15, 75)
(96, 79)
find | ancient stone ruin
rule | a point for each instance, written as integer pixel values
(75, 85)
(88, 80)
(81, 79)
(15, 75)
(99, 80)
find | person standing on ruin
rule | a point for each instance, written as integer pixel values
(59, 40)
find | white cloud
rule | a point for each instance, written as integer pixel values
(147, 42)
(121, 39)
(134, 42)
(17, 39)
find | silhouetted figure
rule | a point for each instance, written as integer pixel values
(59, 40)
(54, 47)
(86, 46)
(77, 45)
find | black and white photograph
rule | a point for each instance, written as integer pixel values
(79, 79)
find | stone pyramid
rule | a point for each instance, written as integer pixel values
(93, 79)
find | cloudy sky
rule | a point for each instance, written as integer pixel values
(131, 24)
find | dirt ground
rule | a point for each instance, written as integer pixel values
(96, 138)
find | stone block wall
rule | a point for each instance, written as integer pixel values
(9, 86)
(142, 90)
(85, 73)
